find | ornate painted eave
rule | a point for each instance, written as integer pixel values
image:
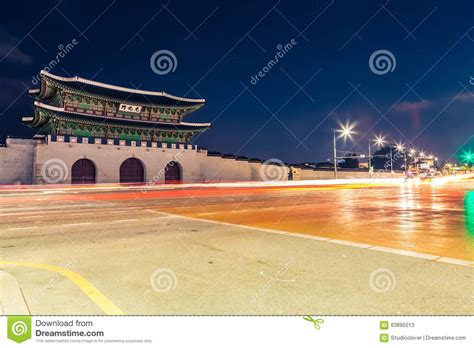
(40, 120)
(50, 83)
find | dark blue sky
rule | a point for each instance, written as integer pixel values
(289, 114)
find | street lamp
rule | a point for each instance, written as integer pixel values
(380, 141)
(345, 131)
(401, 148)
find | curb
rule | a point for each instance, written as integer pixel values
(11, 297)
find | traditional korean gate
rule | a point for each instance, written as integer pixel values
(173, 173)
(131, 171)
(83, 172)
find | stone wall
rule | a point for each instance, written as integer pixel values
(196, 165)
(26, 161)
(16, 161)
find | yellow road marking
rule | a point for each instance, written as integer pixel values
(87, 288)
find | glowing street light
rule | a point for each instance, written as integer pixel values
(379, 140)
(345, 131)
(400, 147)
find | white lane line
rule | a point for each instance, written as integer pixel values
(81, 214)
(429, 257)
(346, 242)
(406, 253)
(308, 236)
(456, 261)
(21, 228)
(125, 220)
(77, 224)
(31, 217)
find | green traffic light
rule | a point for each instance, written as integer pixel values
(467, 156)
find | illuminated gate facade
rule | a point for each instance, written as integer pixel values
(132, 171)
(83, 172)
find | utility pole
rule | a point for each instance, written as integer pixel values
(370, 161)
(391, 162)
(335, 157)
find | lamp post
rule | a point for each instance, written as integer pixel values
(345, 132)
(391, 161)
(401, 148)
(370, 162)
(335, 156)
(380, 141)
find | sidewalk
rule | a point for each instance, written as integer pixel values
(11, 297)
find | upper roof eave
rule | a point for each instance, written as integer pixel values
(137, 92)
(143, 122)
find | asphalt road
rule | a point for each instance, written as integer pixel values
(120, 251)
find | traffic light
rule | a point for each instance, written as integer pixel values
(467, 157)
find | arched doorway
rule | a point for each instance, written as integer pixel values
(173, 173)
(131, 171)
(83, 172)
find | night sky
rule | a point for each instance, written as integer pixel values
(423, 98)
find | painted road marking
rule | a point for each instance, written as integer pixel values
(406, 253)
(87, 288)
(125, 220)
(80, 214)
(429, 257)
(31, 217)
(346, 242)
(455, 261)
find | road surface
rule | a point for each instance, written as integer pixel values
(258, 250)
